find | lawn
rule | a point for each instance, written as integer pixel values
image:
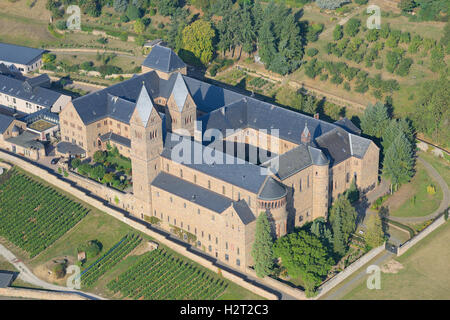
(412, 199)
(441, 165)
(424, 276)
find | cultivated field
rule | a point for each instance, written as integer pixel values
(121, 247)
(33, 216)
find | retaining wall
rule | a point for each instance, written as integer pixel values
(408, 244)
(341, 276)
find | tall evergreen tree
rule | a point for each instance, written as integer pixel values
(398, 164)
(343, 223)
(375, 119)
(262, 247)
(393, 130)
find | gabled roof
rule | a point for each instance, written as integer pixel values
(163, 59)
(18, 54)
(348, 125)
(5, 121)
(111, 136)
(336, 144)
(358, 145)
(244, 175)
(180, 92)
(191, 192)
(6, 277)
(42, 80)
(144, 106)
(38, 95)
(243, 211)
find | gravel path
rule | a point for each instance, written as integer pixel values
(28, 276)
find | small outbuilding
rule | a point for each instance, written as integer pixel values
(6, 278)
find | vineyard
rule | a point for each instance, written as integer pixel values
(33, 216)
(91, 274)
(158, 275)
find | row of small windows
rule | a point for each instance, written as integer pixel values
(202, 233)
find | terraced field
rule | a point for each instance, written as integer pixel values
(158, 275)
(33, 216)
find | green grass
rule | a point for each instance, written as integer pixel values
(425, 274)
(441, 165)
(419, 203)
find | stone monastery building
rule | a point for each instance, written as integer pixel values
(303, 163)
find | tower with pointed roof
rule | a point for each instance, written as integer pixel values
(146, 147)
(181, 111)
(306, 134)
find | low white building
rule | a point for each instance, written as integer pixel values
(29, 96)
(19, 58)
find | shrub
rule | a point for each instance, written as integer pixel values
(60, 270)
(92, 248)
(75, 163)
(61, 25)
(431, 189)
(312, 52)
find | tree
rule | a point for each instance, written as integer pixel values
(394, 129)
(108, 178)
(343, 223)
(303, 255)
(92, 8)
(120, 5)
(99, 156)
(338, 32)
(351, 28)
(309, 104)
(75, 163)
(198, 39)
(262, 247)
(133, 12)
(431, 112)
(374, 235)
(398, 163)
(97, 172)
(167, 7)
(407, 5)
(139, 27)
(375, 119)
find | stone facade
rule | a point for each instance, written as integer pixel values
(225, 232)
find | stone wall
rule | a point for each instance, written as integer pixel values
(294, 292)
(341, 276)
(54, 180)
(38, 294)
(408, 244)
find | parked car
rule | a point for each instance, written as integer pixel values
(54, 161)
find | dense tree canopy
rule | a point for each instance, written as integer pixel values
(375, 119)
(343, 223)
(303, 255)
(198, 39)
